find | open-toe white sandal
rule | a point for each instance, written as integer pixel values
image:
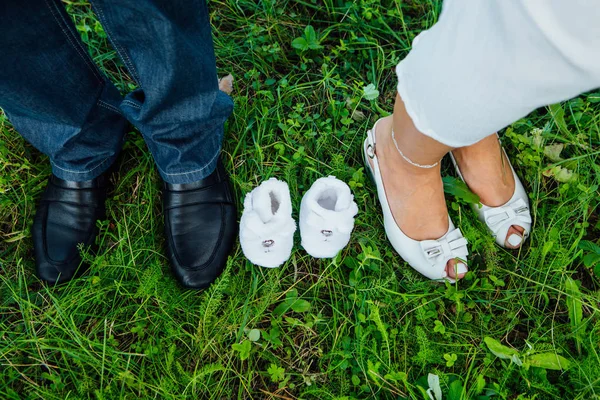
(428, 257)
(499, 219)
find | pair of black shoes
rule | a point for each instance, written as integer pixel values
(200, 227)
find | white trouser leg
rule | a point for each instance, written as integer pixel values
(487, 63)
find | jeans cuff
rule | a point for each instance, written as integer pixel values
(193, 175)
(78, 176)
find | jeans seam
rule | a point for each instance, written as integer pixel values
(82, 172)
(191, 172)
(132, 104)
(108, 106)
(120, 50)
(91, 66)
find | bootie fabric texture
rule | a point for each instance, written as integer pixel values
(327, 217)
(267, 227)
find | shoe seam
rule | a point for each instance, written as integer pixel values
(229, 203)
(194, 190)
(93, 205)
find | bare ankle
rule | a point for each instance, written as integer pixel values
(388, 153)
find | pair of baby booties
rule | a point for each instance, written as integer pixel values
(267, 228)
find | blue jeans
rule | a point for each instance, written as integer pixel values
(56, 97)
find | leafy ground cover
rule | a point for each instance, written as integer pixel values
(310, 79)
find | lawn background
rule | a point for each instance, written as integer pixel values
(363, 325)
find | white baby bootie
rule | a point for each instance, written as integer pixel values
(327, 217)
(267, 227)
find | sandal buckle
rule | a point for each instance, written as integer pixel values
(371, 151)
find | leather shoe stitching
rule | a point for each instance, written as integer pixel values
(198, 204)
(194, 190)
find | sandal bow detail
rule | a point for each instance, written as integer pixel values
(451, 246)
(502, 218)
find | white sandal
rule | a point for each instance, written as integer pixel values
(499, 219)
(428, 257)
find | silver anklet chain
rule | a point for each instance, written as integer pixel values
(408, 160)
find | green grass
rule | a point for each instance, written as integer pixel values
(361, 326)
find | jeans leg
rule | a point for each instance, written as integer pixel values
(178, 108)
(53, 93)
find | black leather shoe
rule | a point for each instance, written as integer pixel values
(200, 227)
(66, 216)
